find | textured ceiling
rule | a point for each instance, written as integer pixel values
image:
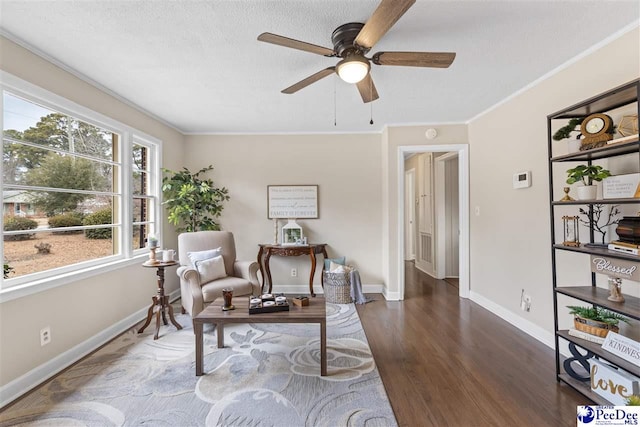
(197, 64)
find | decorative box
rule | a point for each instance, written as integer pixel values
(301, 301)
(628, 229)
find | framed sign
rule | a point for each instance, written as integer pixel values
(621, 186)
(292, 201)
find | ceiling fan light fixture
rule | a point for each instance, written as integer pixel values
(353, 68)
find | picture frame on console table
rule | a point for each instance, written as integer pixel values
(292, 201)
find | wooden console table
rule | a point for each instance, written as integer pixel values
(267, 250)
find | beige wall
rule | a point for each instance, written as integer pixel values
(510, 240)
(80, 310)
(347, 170)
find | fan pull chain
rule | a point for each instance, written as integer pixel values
(371, 102)
(335, 114)
(371, 105)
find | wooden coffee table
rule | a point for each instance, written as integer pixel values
(315, 312)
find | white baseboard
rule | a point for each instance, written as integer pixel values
(21, 385)
(304, 290)
(390, 296)
(524, 325)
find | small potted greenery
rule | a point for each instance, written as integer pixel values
(633, 400)
(566, 131)
(587, 175)
(595, 320)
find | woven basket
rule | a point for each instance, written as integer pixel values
(593, 327)
(337, 287)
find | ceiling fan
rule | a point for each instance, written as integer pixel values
(352, 42)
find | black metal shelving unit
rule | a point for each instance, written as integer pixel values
(621, 96)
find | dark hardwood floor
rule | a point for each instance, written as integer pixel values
(446, 361)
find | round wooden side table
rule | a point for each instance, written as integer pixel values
(160, 302)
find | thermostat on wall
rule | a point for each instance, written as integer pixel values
(522, 179)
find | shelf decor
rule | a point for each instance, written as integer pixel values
(597, 129)
(615, 385)
(595, 320)
(628, 125)
(612, 267)
(623, 347)
(615, 289)
(621, 186)
(570, 228)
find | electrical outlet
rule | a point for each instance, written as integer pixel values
(294, 272)
(45, 336)
(525, 302)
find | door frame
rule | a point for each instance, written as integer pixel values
(463, 188)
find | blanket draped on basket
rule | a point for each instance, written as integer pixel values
(356, 288)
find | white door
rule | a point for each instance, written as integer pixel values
(410, 215)
(452, 220)
(425, 252)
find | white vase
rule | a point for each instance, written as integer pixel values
(573, 145)
(587, 192)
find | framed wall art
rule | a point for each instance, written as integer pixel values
(292, 201)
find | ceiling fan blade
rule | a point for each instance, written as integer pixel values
(415, 59)
(295, 44)
(367, 89)
(309, 80)
(387, 14)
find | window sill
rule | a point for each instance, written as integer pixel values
(24, 290)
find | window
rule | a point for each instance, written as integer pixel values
(79, 190)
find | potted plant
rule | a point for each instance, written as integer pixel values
(587, 174)
(595, 320)
(633, 400)
(193, 203)
(566, 131)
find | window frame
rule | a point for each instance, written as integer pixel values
(127, 137)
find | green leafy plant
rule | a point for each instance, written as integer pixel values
(15, 223)
(193, 203)
(598, 314)
(102, 216)
(72, 219)
(633, 400)
(587, 174)
(565, 131)
(7, 270)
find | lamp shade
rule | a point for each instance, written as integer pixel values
(353, 69)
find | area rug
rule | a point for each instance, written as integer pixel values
(267, 375)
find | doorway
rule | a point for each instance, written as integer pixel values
(458, 153)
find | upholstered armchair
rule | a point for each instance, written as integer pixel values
(203, 274)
